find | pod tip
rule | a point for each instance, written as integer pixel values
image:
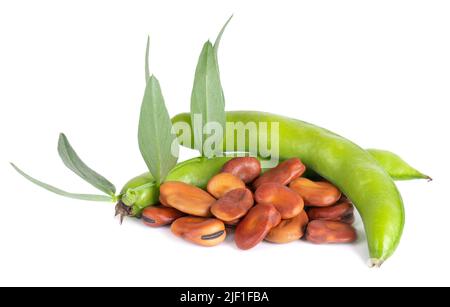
(428, 178)
(375, 263)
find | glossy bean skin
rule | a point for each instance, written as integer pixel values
(255, 226)
(198, 230)
(282, 174)
(316, 193)
(157, 216)
(285, 200)
(289, 230)
(328, 232)
(340, 212)
(352, 169)
(186, 198)
(233, 205)
(245, 168)
(223, 183)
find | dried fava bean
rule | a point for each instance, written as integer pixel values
(198, 230)
(283, 173)
(321, 232)
(156, 216)
(318, 194)
(233, 205)
(341, 212)
(256, 225)
(289, 230)
(186, 198)
(245, 168)
(285, 200)
(222, 183)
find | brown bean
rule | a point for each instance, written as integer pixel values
(341, 212)
(283, 173)
(318, 194)
(286, 201)
(186, 198)
(222, 183)
(198, 230)
(232, 223)
(321, 232)
(289, 230)
(233, 205)
(245, 168)
(155, 216)
(255, 226)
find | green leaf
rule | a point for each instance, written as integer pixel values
(147, 65)
(207, 99)
(158, 144)
(74, 163)
(219, 37)
(50, 188)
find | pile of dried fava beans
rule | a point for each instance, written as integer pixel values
(278, 206)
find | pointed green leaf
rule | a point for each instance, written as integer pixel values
(50, 188)
(158, 144)
(219, 37)
(207, 99)
(147, 65)
(74, 163)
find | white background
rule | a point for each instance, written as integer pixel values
(377, 72)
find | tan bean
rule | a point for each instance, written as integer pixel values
(286, 201)
(341, 212)
(186, 198)
(255, 226)
(233, 205)
(223, 183)
(318, 194)
(198, 230)
(321, 232)
(289, 230)
(283, 173)
(156, 216)
(245, 168)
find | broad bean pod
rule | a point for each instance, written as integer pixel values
(352, 169)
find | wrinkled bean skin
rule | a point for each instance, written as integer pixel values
(157, 216)
(223, 183)
(283, 173)
(255, 226)
(285, 200)
(245, 168)
(317, 194)
(289, 230)
(233, 205)
(186, 198)
(341, 212)
(198, 230)
(322, 232)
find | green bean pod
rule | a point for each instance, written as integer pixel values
(351, 168)
(397, 168)
(142, 191)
